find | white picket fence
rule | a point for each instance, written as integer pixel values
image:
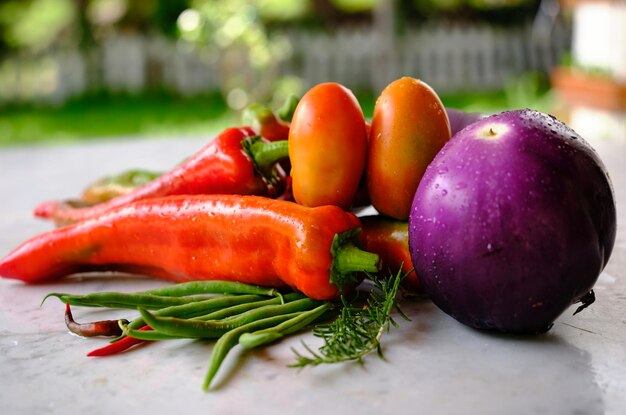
(449, 58)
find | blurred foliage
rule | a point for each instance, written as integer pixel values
(241, 30)
(250, 53)
(34, 24)
(495, 12)
(97, 116)
(38, 24)
(352, 6)
(530, 90)
(159, 115)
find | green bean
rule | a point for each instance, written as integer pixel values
(212, 287)
(150, 335)
(215, 315)
(239, 309)
(198, 308)
(123, 300)
(225, 343)
(216, 328)
(261, 337)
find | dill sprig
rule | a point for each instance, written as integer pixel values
(356, 331)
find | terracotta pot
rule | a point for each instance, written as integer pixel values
(577, 88)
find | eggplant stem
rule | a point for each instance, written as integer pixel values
(586, 301)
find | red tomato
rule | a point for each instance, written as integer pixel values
(409, 127)
(327, 146)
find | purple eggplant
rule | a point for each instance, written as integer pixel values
(512, 223)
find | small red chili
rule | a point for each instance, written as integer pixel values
(119, 346)
(107, 328)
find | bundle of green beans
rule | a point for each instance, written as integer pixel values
(251, 316)
(231, 312)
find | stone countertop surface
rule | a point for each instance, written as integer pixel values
(433, 365)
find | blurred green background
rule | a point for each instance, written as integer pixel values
(83, 69)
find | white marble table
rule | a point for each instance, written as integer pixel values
(433, 365)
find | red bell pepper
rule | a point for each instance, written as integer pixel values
(389, 238)
(265, 123)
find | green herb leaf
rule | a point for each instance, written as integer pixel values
(357, 330)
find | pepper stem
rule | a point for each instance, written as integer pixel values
(256, 115)
(265, 154)
(285, 112)
(134, 177)
(348, 259)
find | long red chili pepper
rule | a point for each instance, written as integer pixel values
(119, 346)
(250, 239)
(222, 167)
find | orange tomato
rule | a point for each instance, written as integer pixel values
(409, 127)
(327, 146)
